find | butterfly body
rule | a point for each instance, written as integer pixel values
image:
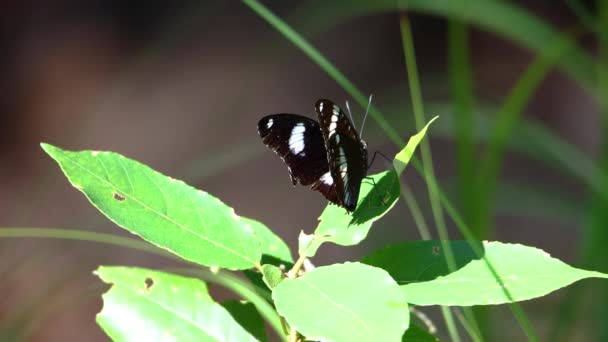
(329, 155)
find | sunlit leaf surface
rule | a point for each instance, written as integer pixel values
(344, 302)
(147, 305)
(166, 212)
(524, 272)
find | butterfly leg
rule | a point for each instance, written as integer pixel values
(374, 157)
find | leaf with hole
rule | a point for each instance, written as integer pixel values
(523, 273)
(147, 305)
(416, 261)
(344, 302)
(166, 212)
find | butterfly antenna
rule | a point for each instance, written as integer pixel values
(369, 104)
(350, 114)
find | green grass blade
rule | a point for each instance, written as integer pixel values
(462, 97)
(504, 18)
(506, 121)
(324, 63)
(416, 95)
(82, 235)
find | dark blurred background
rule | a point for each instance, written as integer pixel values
(181, 85)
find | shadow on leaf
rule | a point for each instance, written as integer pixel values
(376, 197)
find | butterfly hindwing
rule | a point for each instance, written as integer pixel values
(346, 152)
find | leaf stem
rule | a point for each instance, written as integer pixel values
(293, 272)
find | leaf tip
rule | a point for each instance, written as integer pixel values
(48, 148)
(51, 150)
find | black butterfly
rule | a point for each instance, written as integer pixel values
(329, 155)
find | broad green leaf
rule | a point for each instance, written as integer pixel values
(416, 261)
(403, 157)
(274, 250)
(248, 317)
(166, 212)
(416, 334)
(272, 275)
(274, 253)
(147, 305)
(337, 226)
(344, 302)
(524, 272)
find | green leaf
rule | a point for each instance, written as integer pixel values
(403, 157)
(344, 302)
(274, 250)
(416, 261)
(272, 275)
(416, 334)
(147, 305)
(248, 317)
(337, 226)
(166, 212)
(525, 273)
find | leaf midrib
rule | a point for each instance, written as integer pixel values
(167, 218)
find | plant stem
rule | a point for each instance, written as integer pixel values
(293, 272)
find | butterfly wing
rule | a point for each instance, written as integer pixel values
(299, 142)
(347, 153)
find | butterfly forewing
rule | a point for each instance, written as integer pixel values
(346, 153)
(299, 142)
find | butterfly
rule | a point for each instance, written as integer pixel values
(329, 155)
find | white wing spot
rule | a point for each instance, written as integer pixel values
(269, 123)
(94, 153)
(326, 179)
(296, 140)
(332, 128)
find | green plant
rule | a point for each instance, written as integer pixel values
(426, 270)
(363, 300)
